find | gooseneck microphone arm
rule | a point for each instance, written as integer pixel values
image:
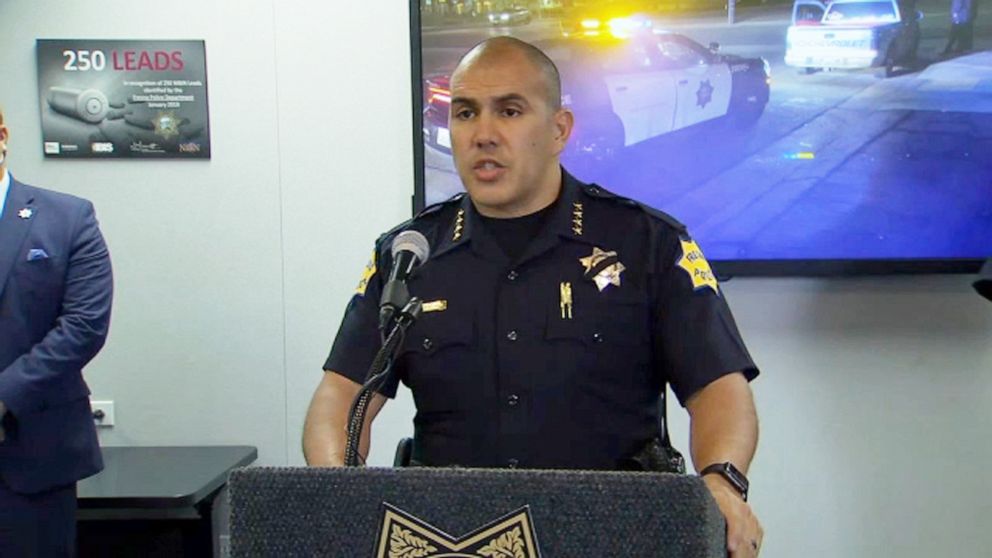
(378, 374)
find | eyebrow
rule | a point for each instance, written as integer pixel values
(468, 101)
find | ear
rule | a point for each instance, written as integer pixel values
(564, 120)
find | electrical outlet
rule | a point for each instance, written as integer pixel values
(103, 412)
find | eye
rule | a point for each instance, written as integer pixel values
(511, 112)
(464, 114)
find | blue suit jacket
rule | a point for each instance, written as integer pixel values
(56, 287)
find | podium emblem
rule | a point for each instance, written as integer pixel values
(402, 535)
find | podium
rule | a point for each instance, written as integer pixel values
(434, 512)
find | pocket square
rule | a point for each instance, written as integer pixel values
(35, 254)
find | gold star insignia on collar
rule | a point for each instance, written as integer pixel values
(606, 275)
(25, 213)
(459, 224)
(577, 218)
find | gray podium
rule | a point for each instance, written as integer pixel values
(425, 513)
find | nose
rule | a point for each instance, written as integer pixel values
(485, 135)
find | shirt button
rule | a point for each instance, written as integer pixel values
(427, 344)
(512, 275)
(597, 337)
(512, 400)
(512, 335)
(512, 463)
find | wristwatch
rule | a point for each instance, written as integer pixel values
(731, 473)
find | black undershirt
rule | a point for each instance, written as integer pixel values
(513, 235)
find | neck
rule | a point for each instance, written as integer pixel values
(543, 196)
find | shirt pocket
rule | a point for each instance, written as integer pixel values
(607, 336)
(440, 361)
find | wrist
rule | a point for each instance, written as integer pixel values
(728, 476)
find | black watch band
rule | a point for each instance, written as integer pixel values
(731, 474)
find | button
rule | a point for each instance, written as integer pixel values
(512, 275)
(512, 463)
(512, 335)
(512, 400)
(597, 337)
(427, 344)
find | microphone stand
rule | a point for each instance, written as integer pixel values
(379, 372)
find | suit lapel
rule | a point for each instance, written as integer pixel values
(13, 228)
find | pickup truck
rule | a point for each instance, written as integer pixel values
(853, 34)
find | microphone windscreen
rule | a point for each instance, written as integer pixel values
(414, 242)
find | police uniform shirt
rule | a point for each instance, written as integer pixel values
(557, 359)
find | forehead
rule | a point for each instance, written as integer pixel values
(498, 75)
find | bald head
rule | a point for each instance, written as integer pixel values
(506, 49)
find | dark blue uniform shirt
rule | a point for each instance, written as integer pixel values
(555, 360)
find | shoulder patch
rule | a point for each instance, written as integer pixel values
(692, 261)
(367, 274)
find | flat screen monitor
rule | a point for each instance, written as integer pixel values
(792, 138)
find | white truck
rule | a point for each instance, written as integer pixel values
(853, 34)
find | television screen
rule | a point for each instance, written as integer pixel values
(803, 136)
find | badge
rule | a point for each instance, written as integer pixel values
(366, 276)
(434, 306)
(693, 262)
(25, 213)
(603, 267)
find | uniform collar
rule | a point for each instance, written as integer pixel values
(567, 221)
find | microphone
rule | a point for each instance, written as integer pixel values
(410, 249)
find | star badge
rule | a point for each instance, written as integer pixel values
(25, 213)
(705, 94)
(603, 267)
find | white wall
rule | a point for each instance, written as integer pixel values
(232, 275)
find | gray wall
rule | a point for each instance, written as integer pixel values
(232, 275)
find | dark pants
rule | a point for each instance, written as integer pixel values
(961, 37)
(38, 525)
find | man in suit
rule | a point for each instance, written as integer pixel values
(56, 288)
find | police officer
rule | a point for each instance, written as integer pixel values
(554, 311)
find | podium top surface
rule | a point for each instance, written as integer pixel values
(161, 477)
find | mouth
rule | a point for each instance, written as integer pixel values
(488, 170)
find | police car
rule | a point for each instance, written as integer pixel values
(627, 91)
(853, 34)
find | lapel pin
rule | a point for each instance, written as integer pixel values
(25, 213)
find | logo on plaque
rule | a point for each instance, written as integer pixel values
(402, 535)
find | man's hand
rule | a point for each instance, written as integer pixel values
(724, 427)
(744, 533)
(3, 412)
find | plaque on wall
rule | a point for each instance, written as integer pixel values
(123, 99)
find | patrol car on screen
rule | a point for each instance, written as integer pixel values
(853, 34)
(625, 91)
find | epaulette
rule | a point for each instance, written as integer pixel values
(597, 191)
(429, 210)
